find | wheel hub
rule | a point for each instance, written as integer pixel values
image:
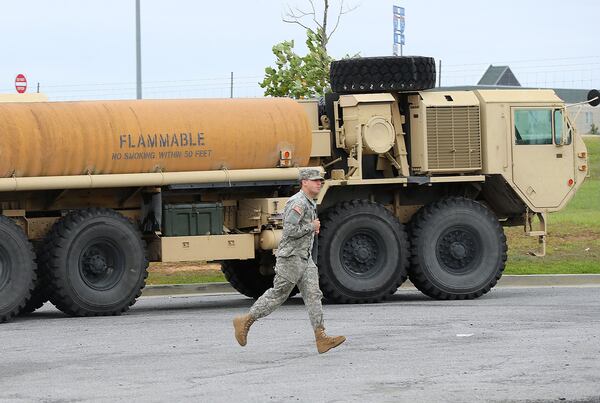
(360, 253)
(101, 265)
(457, 249)
(96, 264)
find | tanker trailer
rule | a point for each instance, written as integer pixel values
(89, 190)
(420, 183)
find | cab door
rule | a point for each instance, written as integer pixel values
(543, 167)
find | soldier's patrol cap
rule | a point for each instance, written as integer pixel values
(310, 174)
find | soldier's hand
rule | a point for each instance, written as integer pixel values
(317, 225)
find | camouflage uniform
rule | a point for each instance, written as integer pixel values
(295, 265)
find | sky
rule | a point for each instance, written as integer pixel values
(85, 49)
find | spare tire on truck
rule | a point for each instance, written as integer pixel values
(382, 74)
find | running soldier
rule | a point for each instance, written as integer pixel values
(295, 265)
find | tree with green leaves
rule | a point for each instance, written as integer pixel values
(305, 76)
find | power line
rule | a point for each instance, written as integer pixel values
(524, 61)
(532, 72)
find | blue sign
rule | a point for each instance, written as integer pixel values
(399, 25)
(398, 38)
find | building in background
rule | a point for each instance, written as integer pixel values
(499, 75)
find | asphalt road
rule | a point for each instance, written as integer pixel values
(515, 344)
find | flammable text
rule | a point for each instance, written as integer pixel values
(161, 140)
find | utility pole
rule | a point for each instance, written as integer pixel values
(138, 48)
(232, 84)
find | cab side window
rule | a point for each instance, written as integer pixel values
(533, 126)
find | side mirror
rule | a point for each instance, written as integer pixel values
(593, 97)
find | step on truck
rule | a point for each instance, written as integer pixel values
(420, 182)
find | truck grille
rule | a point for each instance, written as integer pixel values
(453, 138)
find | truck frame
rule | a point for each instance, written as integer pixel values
(420, 183)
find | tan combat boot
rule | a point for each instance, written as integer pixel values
(242, 325)
(326, 343)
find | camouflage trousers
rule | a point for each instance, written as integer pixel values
(308, 284)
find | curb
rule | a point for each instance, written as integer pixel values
(536, 280)
(551, 280)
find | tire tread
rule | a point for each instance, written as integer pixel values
(382, 74)
(30, 258)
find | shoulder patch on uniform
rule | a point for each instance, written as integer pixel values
(298, 209)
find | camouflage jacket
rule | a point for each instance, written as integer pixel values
(298, 231)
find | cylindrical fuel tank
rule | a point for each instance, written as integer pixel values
(113, 137)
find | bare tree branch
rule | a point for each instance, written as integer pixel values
(314, 13)
(296, 15)
(298, 23)
(342, 12)
(292, 17)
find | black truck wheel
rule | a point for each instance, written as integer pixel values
(458, 249)
(245, 275)
(39, 296)
(17, 269)
(382, 74)
(363, 252)
(41, 292)
(96, 263)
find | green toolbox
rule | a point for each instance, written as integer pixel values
(193, 219)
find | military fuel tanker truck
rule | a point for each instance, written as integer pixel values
(419, 183)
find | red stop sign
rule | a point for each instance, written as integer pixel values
(21, 83)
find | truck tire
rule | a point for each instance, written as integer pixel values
(39, 296)
(246, 278)
(17, 269)
(96, 263)
(458, 249)
(363, 252)
(41, 292)
(382, 74)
